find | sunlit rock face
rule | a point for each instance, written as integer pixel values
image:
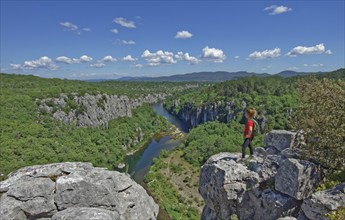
(276, 184)
(93, 110)
(73, 191)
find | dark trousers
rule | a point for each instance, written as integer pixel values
(247, 143)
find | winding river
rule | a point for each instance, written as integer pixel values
(139, 163)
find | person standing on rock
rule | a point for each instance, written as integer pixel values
(248, 132)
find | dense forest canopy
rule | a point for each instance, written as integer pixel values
(28, 137)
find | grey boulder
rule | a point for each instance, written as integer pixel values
(323, 202)
(287, 218)
(280, 139)
(48, 191)
(266, 204)
(297, 178)
(86, 213)
(223, 182)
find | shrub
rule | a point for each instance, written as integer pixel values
(321, 115)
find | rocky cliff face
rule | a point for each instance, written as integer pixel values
(223, 112)
(277, 183)
(93, 110)
(73, 191)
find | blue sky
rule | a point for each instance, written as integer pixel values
(111, 39)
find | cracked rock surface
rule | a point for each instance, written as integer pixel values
(97, 110)
(276, 184)
(73, 191)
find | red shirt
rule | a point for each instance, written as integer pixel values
(249, 123)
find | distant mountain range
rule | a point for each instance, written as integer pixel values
(199, 76)
(290, 73)
(207, 76)
(211, 76)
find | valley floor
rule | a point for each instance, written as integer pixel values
(174, 182)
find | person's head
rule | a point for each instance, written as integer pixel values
(250, 113)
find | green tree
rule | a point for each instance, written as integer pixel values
(321, 116)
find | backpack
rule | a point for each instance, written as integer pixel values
(256, 129)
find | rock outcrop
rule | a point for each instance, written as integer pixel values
(320, 203)
(93, 110)
(73, 191)
(276, 184)
(193, 115)
(297, 178)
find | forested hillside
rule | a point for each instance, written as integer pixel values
(275, 99)
(29, 137)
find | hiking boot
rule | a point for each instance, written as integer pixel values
(240, 160)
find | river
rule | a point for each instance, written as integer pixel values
(140, 162)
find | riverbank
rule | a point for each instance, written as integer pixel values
(139, 161)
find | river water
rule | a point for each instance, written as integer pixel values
(139, 163)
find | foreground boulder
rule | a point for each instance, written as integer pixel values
(223, 182)
(273, 185)
(231, 188)
(73, 191)
(297, 178)
(320, 203)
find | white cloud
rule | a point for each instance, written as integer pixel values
(129, 58)
(187, 57)
(236, 57)
(314, 65)
(179, 55)
(97, 65)
(191, 59)
(69, 26)
(129, 42)
(16, 66)
(183, 35)
(108, 59)
(300, 50)
(67, 60)
(41, 63)
(293, 68)
(124, 42)
(124, 22)
(158, 58)
(258, 55)
(115, 31)
(275, 10)
(138, 65)
(213, 54)
(85, 59)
